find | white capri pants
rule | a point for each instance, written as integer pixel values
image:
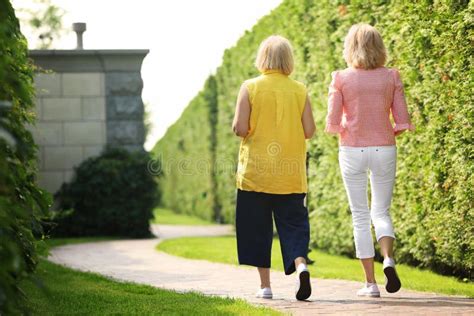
(355, 162)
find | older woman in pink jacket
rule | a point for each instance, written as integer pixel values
(361, 99)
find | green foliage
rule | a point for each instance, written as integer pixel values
(187, 158)
(70, 292)
(429, 42)
(45, 21)
(113, 194)
(22, 203)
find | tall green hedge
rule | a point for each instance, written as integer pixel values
(186, 154)
(430, 42)
(22, 203)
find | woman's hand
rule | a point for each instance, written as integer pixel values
(399, 132)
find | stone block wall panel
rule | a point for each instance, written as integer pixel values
(61, 109)
(62, 158)
(91, 151)
(125, 133)
(123, 83)
(48, 133)
(93, 108)
(84, 133)
(86, 100)
(48, 84)
(83, 84)
(124, 107)
(50, 180)
(38, 109)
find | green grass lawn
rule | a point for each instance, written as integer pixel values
(168, 217)
(70, 292)
(223, 249)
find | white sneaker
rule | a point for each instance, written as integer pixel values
(369, 290)
(392, 281)
(303, 283)
(266, 292)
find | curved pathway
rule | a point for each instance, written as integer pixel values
(138, 261)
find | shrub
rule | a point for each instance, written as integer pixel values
(110, 195)
(428, 41)
(22, 204)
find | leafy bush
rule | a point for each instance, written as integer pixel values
(428, 41)
(188, 155)
(110, 195)
(22, 203)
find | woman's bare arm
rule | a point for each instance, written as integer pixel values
(307, 119)
(240, 125)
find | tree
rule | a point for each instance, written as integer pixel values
(45, 21)
(23, 205)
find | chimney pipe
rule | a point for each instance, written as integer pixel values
(79, 28)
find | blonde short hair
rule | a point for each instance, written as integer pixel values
(275, 53)
(364, 48)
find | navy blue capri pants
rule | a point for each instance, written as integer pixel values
(254, 227)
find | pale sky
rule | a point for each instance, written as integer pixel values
(186, 39)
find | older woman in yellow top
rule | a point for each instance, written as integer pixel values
(273, 117)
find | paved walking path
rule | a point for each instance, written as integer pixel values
(138, 261)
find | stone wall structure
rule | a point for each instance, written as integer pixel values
(86, 100)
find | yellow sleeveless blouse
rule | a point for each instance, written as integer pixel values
(272, 157)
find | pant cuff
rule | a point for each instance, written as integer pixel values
(385, 235)
(289, 269)
(254, 264)
(365, 256)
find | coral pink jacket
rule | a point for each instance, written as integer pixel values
(359, 106)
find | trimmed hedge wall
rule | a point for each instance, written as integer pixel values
(22, 204)
(431, 44)
(187, 154)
